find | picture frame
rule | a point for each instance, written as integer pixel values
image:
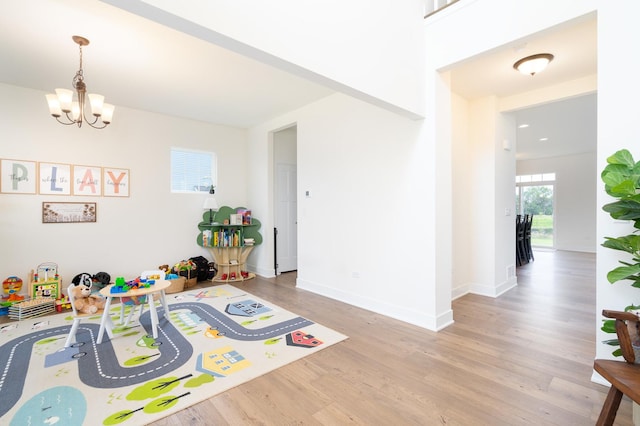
(18, 176)
(235, 219)
(68, 212)
(87, 180)
(115, 182)
(54, 179)
(245, 216)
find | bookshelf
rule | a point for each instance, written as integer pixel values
(231, 243)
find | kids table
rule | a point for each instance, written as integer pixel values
(157, 288)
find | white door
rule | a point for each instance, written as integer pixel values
(286, 218)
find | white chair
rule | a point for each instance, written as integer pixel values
(77, 317)
(155, 275)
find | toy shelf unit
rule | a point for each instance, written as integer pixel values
(230, 236)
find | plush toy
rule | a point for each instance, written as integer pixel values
(83, 300)
(83, 278)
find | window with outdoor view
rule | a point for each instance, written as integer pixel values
(534, 196)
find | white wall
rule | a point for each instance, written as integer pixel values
(485, 231)
(617, 128)
(481, 217)
(365, 234)
(444, 31)
(366, 166)
(370, 50)
(149, 228)
(488, 232)
(463, 206)
(574, 198)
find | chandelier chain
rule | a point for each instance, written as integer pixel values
(79, 77)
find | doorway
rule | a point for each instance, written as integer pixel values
(285, 200)
(535, 197)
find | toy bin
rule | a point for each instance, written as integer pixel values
(191, 277)
(177, 285)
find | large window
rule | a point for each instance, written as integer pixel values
(192, 171)
(534, 196)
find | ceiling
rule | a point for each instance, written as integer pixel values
(569, 125)
(139, 64)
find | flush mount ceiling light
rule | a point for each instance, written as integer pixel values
(62, 101)
(534, 63)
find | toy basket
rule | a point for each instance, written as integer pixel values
(177, 285)
(191, 277)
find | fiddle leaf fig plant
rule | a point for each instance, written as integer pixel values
(621, 179)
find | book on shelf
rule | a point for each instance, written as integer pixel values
(231, 237)
(206, 238)
(245, 215)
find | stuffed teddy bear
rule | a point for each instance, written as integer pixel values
(84, 301)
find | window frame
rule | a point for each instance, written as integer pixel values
(197, 185)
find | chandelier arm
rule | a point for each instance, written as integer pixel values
(96, 127)
(92, 123)
(62, 122)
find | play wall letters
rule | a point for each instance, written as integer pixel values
(31, 177)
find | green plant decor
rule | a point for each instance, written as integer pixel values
(621, 179)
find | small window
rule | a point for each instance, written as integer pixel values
(192, 171)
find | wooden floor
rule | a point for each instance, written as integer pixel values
(522, 359)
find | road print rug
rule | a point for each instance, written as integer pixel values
(216, 338)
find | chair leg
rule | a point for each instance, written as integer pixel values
(530, 249)
(610, 407)
(71, 338)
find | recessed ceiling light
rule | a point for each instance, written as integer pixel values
(523, 126)
(544, 139)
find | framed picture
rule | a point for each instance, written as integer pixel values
(18, 177)
(87, 180)
(116, 182)
(246, 216)
(53, 212)
(55, 179)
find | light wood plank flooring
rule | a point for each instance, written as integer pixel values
(522, 359)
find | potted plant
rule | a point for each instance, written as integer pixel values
(621, 177)
(621, 180)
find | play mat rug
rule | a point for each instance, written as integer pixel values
(217, 338)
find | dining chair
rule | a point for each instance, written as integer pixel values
(623, 375)
(521, 257)
(527, 238)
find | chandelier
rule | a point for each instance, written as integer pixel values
(74, 111)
